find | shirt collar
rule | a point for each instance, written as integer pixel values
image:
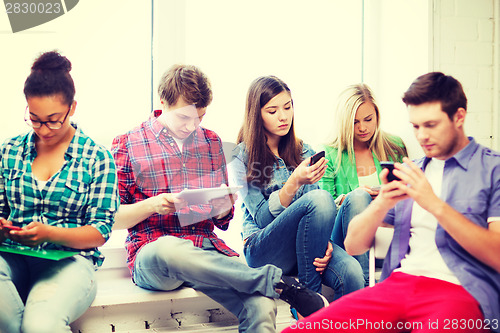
(29, 142)
(463, 157)
(305, 149)
(157, 128)
(72, 150)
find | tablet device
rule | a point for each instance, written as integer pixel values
(39, 253)
(202, 196)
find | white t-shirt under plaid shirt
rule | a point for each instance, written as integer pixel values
(83, 192)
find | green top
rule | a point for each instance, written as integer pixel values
(345, 179)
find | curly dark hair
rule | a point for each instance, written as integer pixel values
(50, 76)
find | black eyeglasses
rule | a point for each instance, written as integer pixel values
(53, 125)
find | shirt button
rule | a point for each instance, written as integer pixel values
(193, 228)
(184, 165)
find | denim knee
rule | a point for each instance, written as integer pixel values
(354, 272)
(358, 199)
(172, 251)
(323, 203)
(344, 273)
(156, 263)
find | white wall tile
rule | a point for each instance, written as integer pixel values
(474, 8)
(475, 53)
(459, 28)
(485, 30)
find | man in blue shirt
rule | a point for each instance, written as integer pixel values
(442, 269)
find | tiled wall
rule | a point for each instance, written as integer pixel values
(464, 46)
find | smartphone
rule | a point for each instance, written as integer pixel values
(11, 227)
(390, 167)
(316, 157)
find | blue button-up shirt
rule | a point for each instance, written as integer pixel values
(83, 192)
(471, 185)
(261, 205)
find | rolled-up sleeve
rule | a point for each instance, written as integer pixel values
(494, 204)
(104, 198)
(4, 207)
(275, 206)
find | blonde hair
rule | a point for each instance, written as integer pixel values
(380, 143)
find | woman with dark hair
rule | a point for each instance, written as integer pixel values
(287, 218)
(58, 191)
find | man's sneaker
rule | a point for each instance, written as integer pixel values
(304, 300)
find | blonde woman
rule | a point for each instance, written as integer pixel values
(354, 159)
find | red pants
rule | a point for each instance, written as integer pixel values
(401, 303)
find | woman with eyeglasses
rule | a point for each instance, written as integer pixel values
(58, 191)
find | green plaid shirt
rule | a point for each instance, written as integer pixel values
(83, 192)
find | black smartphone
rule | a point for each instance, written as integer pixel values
(390, 166)
(316, 157)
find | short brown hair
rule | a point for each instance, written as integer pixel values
(437, 87)
(187, 81)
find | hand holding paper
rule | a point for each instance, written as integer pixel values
(167, 203)
(204, 196)
(222, 206)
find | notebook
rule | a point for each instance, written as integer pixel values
(39, 253)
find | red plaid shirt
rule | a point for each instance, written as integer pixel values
(149, 162)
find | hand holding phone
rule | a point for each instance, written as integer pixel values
(11, 227)
(389, 166)
(316, 157)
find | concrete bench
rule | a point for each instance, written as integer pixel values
(121, 306)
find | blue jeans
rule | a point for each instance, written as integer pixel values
(248, 293)
(40, 295)
(300, 234)
(354, 203)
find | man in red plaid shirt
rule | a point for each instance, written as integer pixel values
(172, 244)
